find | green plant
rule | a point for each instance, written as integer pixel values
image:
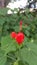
(10, 52)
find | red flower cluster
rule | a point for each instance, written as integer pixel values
(19, 37)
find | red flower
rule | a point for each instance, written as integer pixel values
(20, 25)
(20, 38)
(21, 22)
(13, 34)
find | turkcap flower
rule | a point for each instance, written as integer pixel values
(20, 38)
(13, 35)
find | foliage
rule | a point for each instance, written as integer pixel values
(10, 52)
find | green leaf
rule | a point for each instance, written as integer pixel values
(17, 28)
(11, 58)
(2, 57)
(8, 44)
(3, 11)
(29, 54)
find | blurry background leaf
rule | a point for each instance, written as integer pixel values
(2, 57)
